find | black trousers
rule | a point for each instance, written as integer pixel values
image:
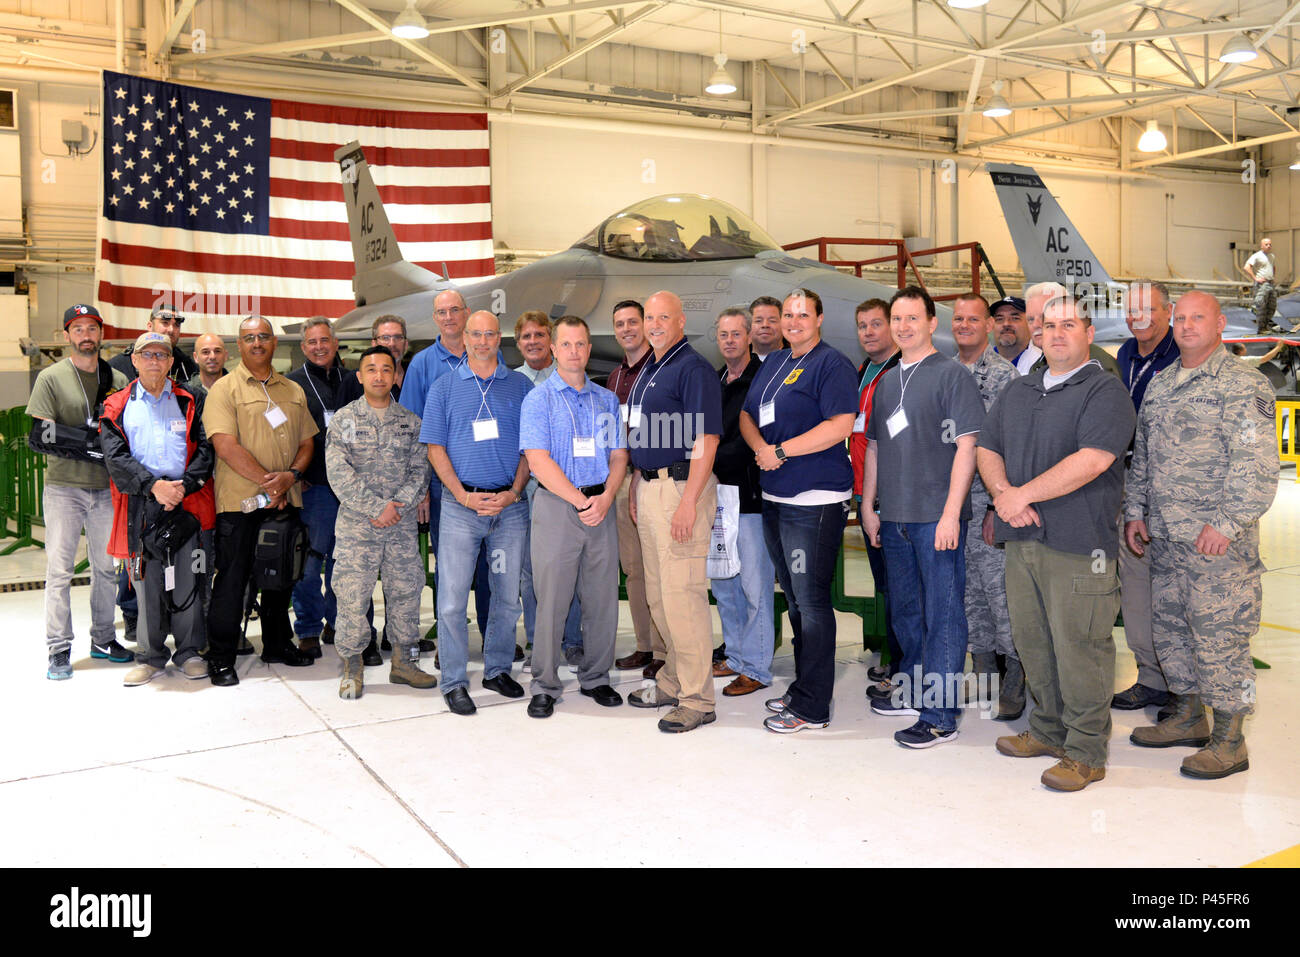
(236, 539)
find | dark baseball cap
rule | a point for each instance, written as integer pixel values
(80, 311)
(166, 312)
(1015, 302)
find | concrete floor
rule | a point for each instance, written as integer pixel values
(279, 771)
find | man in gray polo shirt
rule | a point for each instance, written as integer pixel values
(1057, 489)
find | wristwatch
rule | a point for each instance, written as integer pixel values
(780, 453)
(297, 476)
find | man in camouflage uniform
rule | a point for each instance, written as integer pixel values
(378, 469)
(986, 566)
(1204, 471)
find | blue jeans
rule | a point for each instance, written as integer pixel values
(312, 610)
(482, 590)
(463, 533)
(803, 542)
(880, 580)
(927, 590)
(745, 604)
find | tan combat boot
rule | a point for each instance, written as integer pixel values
(1186, 727)
(351, 680)
(1226, 753)
(405, 669)
(1071, 775)
(1025, 745)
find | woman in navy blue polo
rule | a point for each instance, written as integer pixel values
(799, 411)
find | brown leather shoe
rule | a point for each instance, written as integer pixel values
(1071, 775)
(1025, 745)
(721, 669)
(652, 669)
(743, 684)
(310, 646)
(637, 659)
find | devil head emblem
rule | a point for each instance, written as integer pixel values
(1035, 206)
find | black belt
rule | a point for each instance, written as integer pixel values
(475, 490)
(591, 491)
(679, 471)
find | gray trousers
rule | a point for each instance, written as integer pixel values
(67, 511)
(156, 616)
(1135, 601)
(568, 556)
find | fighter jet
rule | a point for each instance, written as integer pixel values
(703, 249)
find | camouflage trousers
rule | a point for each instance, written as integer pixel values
(1265, 304)
(986, 593)
(362, 553)
(1204, 611)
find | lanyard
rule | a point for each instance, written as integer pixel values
(631, 399)
(574, 421)
(762, 401)
(483, 394)
(90, 415)
(269, 403)
(903, 389)
(313, 389)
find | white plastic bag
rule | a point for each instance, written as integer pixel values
(724, 558)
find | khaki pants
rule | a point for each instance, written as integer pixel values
(629, 556)
(677, 588)
(1135, 600)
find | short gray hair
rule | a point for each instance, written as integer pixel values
(736, 311)
(315, 321)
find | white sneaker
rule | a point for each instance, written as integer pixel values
(141, 674)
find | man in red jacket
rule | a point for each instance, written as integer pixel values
(872, 318)
(159, 461)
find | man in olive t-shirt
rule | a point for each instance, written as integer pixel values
(65, 404)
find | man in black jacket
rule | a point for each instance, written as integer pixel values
(166, 320)
(745, 597)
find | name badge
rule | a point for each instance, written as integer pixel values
(623, 411)
(584, 448)
(766, 413)
(485, 429)
(896, 423)
(275, 415)
(860, 423)
(328, 418)
(634, 417)
(169, 578)
(176, 425)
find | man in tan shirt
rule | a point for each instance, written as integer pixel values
(261, 429)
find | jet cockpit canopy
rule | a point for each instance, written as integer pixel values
(682, 227)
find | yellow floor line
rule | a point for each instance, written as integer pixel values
(1269, 624)
(1288, 858)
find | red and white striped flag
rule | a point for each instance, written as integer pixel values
(224, 204)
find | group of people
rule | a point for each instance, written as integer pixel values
(1010, 498)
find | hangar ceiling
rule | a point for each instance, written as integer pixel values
(1082, 78)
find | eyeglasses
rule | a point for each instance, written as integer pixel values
(453, 311)
(154, 356)
(479, 335)
(253, 337)
(389, 340)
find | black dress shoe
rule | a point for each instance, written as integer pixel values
(288, 655)
(720, 652)
(327, 635)
(427, 645)
(459, 702)
(371, 655)
(222, 675)
(541, 706)
(384, 643)
(245, 647)
(505, 685)
(604, 695)
(519, 653)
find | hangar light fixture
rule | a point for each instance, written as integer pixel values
(966, 4)
(1152, 141)
(720, 83)
(997, 104)
(1238, 49)
(409, 24)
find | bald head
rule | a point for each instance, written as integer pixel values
(1198, 327)
(210, 354)
(665, 322)
(449, 313)
(482, 337)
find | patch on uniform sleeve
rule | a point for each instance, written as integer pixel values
(1265, 407)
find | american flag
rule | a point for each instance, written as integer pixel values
(230, 204)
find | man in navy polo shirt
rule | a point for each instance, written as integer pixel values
(925, 417)
(1151, 349)
(674, 422)
(571, 433)
(471, 425)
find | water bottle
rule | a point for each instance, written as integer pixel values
(260, 500)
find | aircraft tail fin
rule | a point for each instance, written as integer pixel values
(381, 272)
(1049, 246)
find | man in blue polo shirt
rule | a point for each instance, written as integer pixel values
(674, 422)
(471, 425)
(571, 433)
(1151, 349)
